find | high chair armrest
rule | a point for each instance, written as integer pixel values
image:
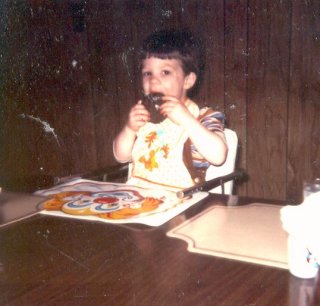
(109, 173)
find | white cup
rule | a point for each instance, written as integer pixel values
(299, 261)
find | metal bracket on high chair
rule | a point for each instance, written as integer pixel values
(222, 185)
(208, 185)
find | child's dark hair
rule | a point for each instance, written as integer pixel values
(175, 44)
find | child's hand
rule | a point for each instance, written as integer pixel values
(138, 117)
(175, 110)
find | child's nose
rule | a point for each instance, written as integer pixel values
(154, 79)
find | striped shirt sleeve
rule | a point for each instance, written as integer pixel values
(213, 121)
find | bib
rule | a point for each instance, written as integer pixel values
(157, 155)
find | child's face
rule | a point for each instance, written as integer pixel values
(165, 76)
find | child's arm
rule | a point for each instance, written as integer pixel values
(124, 141)
(210, 144)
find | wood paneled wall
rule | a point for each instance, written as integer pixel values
(69, 76)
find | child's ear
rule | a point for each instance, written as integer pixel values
(190, 80)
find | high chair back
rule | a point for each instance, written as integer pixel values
(228, 166)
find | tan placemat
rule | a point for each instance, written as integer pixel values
(251, 233)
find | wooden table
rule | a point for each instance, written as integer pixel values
(56, 261)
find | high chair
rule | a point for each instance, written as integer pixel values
(120, 173)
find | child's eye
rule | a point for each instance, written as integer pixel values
(166, 72)
(146, 73)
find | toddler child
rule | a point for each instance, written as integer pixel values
(175, 153)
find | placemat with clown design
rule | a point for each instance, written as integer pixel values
(114, 202)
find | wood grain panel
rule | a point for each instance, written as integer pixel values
(57, 76)
(31, 143)
(13, 90)
(205, 20)
(104, 78)
(124, 49)
(211, 27)
(304, 108)
(267, 97)
(236, 62)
